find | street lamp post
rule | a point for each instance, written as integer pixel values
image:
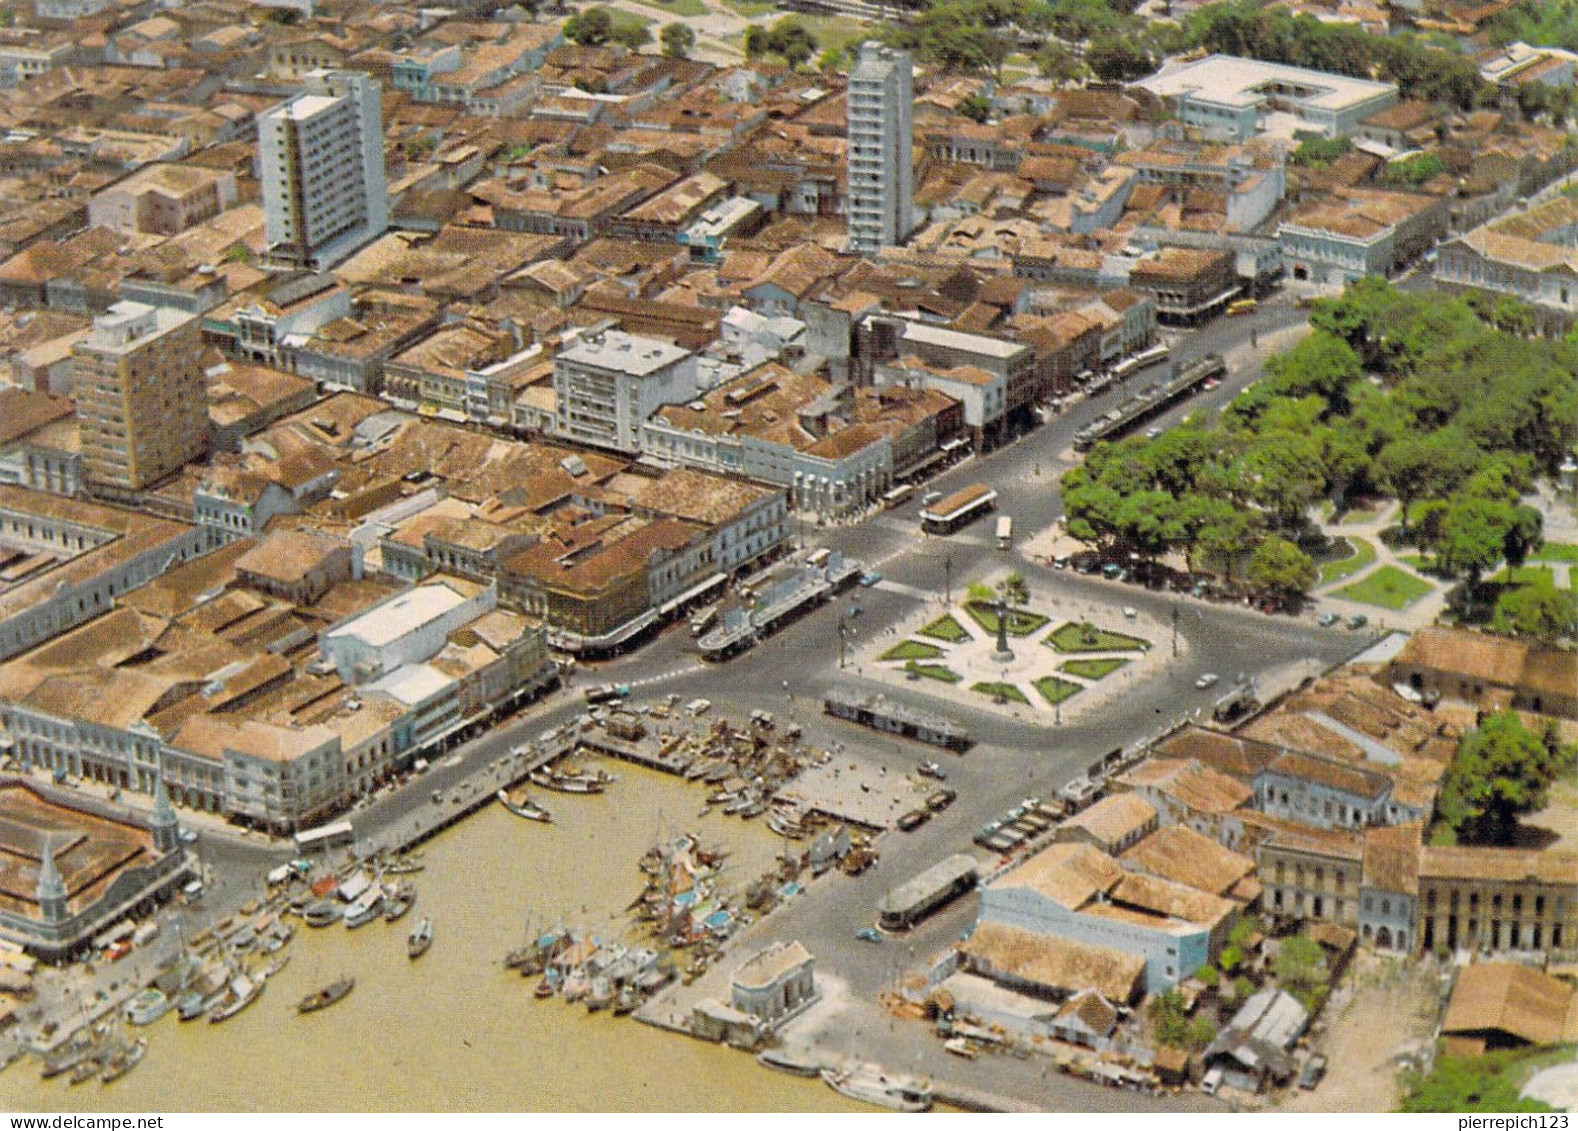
(947, 579)
(1175, 629)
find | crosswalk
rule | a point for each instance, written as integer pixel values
(676, 673)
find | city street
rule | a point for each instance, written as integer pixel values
(789, 671)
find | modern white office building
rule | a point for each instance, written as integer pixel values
(1228, 97)
(607, 383)
(322, 155)
(881, 165)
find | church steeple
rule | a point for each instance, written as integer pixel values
(51, 888)
(164, 824)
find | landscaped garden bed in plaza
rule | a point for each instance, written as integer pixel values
(1006, 691)
(911, 650)
(1388, 587)
(933, 671)
(947, 629)
(1092, 669)
(1075, 637)
(1021, 622)
(1055, 690)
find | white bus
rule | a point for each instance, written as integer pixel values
(898, 496)
(819, 558)
(1005, 532)
(326, 836)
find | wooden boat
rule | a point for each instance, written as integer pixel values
(545, 988)
(327, 996)
(243, 992)
(147, 1007)
(626, 1001)
(123, 1060)
(781, 1060)
(398, 900)
(870, 1086)
(364, 908)
(576, 986)
(88, 1067)
(520, 803)
(420, 939)
(600, 996)
(323, 913)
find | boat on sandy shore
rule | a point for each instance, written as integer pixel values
(64, 1060)
(420, 939)
(796, 1064)
(327, 996)
(517, 801)
(868, 1085)
(123, 1060)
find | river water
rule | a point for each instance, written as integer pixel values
(455, 1030)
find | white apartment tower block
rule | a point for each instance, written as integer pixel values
(881, 168)
(322, 155)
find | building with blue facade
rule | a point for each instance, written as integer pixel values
(1078, 893)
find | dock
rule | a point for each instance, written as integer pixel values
(459, 801)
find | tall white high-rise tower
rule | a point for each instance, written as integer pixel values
(881, 165)
(323, 170)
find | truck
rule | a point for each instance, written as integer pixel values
(1005, 532)
(606, 692)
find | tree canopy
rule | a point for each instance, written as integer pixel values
(1440, 401)
(1501, 769)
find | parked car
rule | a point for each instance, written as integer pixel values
(1358, 620)
(1130, 612)
(868, 934)
(1314, 1069)
(932, 770)
(914, 819)
(1326, 620)
(1209, 679)
(867, 580)
(940, 800)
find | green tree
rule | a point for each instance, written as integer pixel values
(678, 39)
(1489, 1083)
(1537, 609)
(976, 107)
(590, 28)
(631, 35)
(1113, 58)
(1058, 63)
(980, 593)
(757, 42)
(1299, 964)
(1318, 152)
(793, 41)
(1279, 564)
(1501, 769)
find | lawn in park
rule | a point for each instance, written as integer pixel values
(911, 650)
(683, 7)
(1055, 690)
(1361, 554)
(933, 671)
(1388, 587)
(1555, 552)
(1021, 622)
(1070, 638)
(946, 629)
(1001, 690)
(1092, 669)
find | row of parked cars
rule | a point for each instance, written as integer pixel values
(1029, 819)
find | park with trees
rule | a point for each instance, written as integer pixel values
(1448, 404)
